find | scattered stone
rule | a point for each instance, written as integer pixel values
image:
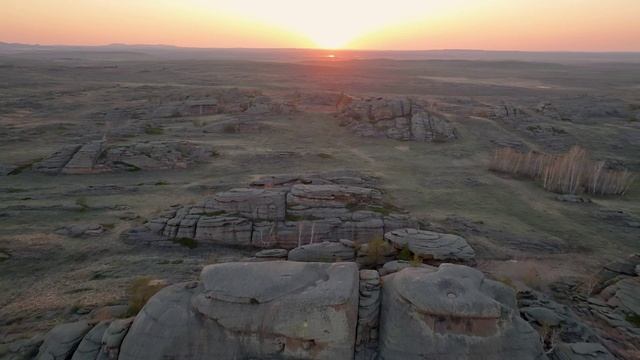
(581, 351)
(323, 252)
(461, 313)
(430, 245)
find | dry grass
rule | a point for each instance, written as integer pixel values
(140, 291)
(569, 173)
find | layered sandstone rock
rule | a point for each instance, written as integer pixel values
(429, 245)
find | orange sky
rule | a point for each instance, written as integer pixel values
(554, 25)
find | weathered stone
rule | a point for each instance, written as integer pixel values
(330, 196)
(56, 161)
(277, 309)
(6, 169)
(397, 265)
(79, 230)
(462, 315)
(224, 230)
(581, 351)
(256, 204)
(430, 245)
(90, 345)
(112, 339)
(368, 315)
(322, 252)
(272, 253)
(62, 341)
(84, 160)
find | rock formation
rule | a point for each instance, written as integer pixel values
(279, 212)
(400, 119)
(95, 157)
(306, 310)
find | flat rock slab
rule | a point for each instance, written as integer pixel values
(252, 310)
(430, 245)
(453, 312)
(323, 252)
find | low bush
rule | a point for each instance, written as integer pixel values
(140, 291)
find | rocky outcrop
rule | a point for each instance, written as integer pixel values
(312, 310)
(452, 313)
(95, 157)
(564, 335)
(251, 310)
(432, 246)
(400, 119)
(279, 212)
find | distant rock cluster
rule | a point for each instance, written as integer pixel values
(96, 156)
(399, 119)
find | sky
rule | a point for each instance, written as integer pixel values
(527, 25)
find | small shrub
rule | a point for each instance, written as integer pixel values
(633, 319)
(187, 242)
(140, 291)
(416, 261)
(377, 250)
(82, 203)
(230, 129)
(405, 254)
(153, 130)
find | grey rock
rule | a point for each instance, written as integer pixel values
(113, 337)
(266, 310)
(430, 245)
(54, 163)
(462, 316)
(323, 252)
(61, 342)
(80, 230)
(6, 169)
(581, 351)
(368, 315)
(224, 230)
(272, 253)
(84, 160)
(91, 344)
(330, 196)
(397, 265)
(256, 204)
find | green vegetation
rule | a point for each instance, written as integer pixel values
(140, 291)
(82, 203)
(153, 130)
(187, 242)
(405, 254)
(633, 319)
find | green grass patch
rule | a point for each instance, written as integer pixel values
(187, 242)
(153, 130)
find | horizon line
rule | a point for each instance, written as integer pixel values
(319, 49)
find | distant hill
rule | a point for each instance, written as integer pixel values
(170, 52)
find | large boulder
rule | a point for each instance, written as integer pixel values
(453, 312)
(430, 245)
(256, 204)
(264, 310)
(90, 346)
